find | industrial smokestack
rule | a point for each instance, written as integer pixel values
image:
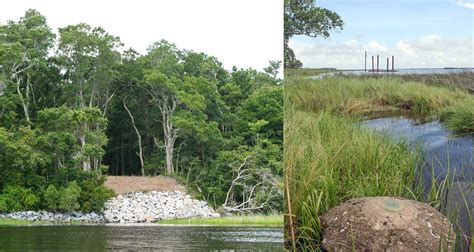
(393, 63)
(372, 63)
(365, 66)
(377, 63)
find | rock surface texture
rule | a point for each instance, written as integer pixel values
(45, 216)
(153, 206)
(130, 208)
(386, 224)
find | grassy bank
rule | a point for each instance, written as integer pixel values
(329, 158)
(303, 72)
(242, 220)
(10, 221)
(374, 96)
(456, 80)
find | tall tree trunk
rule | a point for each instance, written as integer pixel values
(86, 164)
(24, 102)
(140, 151)
(170, 131)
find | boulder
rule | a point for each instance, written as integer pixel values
(386, 224)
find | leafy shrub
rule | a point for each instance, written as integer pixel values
(94, 193)
(3, 205)
(30, 200)
(51, 197)
(68, 200)
(17, 198)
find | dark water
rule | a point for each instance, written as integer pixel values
(398, 72)
(139, 237)
(445, 154)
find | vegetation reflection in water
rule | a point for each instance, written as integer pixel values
(139, 237)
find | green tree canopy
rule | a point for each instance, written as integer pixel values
(305, 18)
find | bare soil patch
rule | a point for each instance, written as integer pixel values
(386, 224)
(124, 184)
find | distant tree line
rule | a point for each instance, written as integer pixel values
(76, 105)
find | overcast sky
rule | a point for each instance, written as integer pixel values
(419, 33)
(244, 33)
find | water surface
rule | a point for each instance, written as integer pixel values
(444, 154)
(359, 72)
(139, 237)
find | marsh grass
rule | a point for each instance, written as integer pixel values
(292, 72)
(236, 220)
(12, 222)
(329, 158)
(381, 96)
(456, 80)
(459, 117)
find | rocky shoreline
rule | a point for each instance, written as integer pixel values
(45, 216)
(134, 207)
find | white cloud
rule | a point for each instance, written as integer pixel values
(465, 4)
(376, 46)
(427, 51)
(405, 48)
(242, 33)
(351, 42)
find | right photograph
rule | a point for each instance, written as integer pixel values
(379, 125)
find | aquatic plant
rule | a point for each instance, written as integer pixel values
(460, 116)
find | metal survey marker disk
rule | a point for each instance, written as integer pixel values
(393, 205)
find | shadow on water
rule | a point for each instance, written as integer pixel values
(139, 237)
(445, 155)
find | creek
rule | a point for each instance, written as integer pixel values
(444, 154)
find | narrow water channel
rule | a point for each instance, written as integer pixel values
(139, 237)
(444, 154)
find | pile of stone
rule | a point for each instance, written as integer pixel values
(153, 206)
(74, 217)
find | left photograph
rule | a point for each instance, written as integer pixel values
(141, 125)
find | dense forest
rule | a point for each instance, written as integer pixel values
(77, 105)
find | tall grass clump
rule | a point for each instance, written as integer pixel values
(460, 116)
(330, 159)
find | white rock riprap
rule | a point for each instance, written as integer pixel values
(75, 217)
(153, 206)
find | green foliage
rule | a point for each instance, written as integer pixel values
(90, 57)
(51, 197)
(460, 116)
(235, 220)
(329, 158)
(265, 104)
(17, 198)
(63, 120)
(304, 18)
(68, 200)
(369, 96)
(93, 192)
(62, 126)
